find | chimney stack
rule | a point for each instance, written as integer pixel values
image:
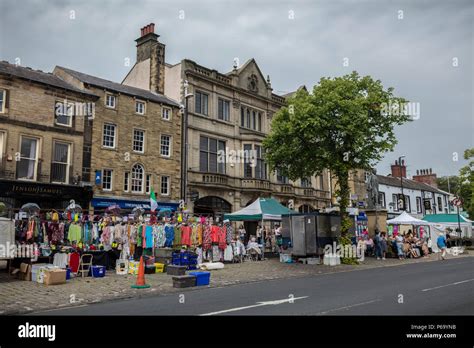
(426, 176)
(149, 48)
(399, 169)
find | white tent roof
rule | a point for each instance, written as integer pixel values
(406, 219)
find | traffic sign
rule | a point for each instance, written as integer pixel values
(457, 202)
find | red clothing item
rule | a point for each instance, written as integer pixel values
(222, 241)
(215, 234)
(186, 235)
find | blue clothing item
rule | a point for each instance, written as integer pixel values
(441, 241)
(400, 249)
(149, 236)
(169, 234)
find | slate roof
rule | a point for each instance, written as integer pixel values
(407, 183)
(118, 87)
(39, 77)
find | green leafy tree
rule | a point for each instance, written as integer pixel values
(345, 123)
(466, 187)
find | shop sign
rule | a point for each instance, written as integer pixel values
(36, 189)
(98, 177)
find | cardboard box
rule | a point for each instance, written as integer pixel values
(54, 276)
(25, 272)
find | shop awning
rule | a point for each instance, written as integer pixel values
(261, 209)
(447, 218)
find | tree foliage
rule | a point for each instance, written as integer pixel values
(345, 123)
(463, 184)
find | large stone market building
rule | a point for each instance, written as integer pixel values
(227, 112)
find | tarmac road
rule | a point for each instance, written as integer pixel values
(429, 288)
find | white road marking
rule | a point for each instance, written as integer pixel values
(443, 286)
(347, 307)
(258, 304)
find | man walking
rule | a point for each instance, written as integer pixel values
(441, 242)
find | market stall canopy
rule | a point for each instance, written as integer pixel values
(261, 209)
(406, 219)
(447, 219)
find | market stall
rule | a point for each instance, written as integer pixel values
(421, 228)
(262, 209)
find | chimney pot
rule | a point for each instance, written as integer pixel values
(396, 162)
(152, 27)
(417, 172)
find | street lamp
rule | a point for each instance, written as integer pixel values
(184, 143)
(401, 180)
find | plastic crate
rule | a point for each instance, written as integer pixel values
(176, 270)
(150, 269)
(98, 271)
(185, 281)
(159, 267)
(202, 278)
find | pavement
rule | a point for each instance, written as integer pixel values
(23, 297)
(427, 288)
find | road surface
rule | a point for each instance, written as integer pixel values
(429, 288)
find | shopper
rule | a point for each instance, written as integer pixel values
(399, 241)
(242, 233)
(383, 244)
(378, 245)
(441, 242)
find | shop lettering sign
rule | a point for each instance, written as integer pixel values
(36, 190)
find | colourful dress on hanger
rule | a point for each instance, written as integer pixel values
(186, 235)
(206, 236)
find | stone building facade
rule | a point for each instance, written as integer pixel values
(235, 111)
(43, 124)
(135, 143)
(228, 113)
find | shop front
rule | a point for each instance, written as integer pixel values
(15, 193)
(102, 203)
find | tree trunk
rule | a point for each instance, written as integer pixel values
(344, 192)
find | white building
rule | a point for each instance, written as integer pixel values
(420, 198)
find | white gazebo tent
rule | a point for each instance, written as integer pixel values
(406, 219)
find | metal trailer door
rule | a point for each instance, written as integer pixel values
(310, 230)
(286, 226)
(335, 223)
(298, 239)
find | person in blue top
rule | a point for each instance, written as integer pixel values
(441, 242)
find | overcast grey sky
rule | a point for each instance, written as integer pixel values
(409, 45)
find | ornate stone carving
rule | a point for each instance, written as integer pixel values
(253, 83)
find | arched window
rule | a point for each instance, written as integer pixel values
(305, 208)
(137, 178)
